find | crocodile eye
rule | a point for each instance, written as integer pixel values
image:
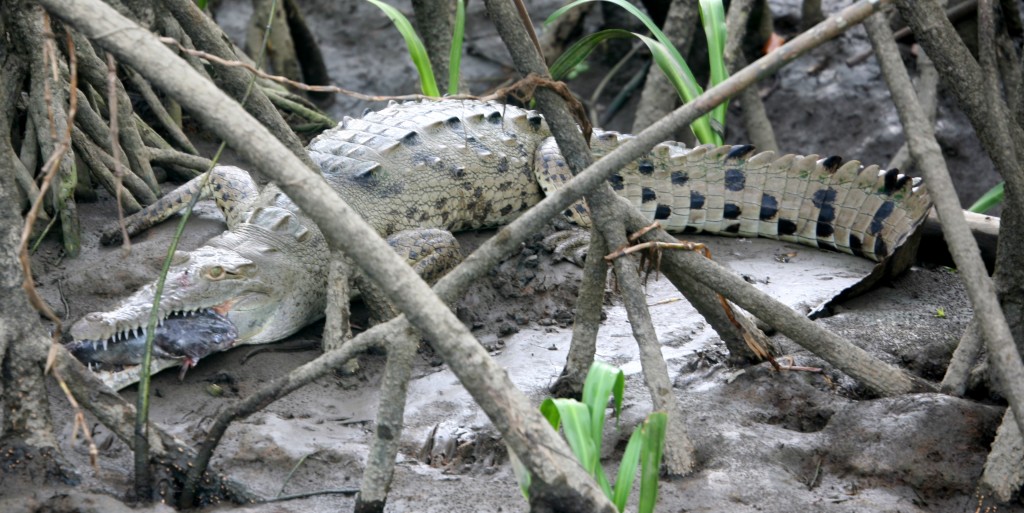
(215, 272)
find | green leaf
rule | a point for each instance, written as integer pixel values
(550, 411)
(576, 426)
(651, 26)
(627, 469)
(578, 52)
(712, 15)
(602, 380)
(654, 437)
(455, 57)
(416, 50)
(201, 4)
(523, 476)
(988, 200)
(702, 126)
(669, 60)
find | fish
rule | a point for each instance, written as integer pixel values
(188, 337)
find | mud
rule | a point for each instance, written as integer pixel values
(766, 441)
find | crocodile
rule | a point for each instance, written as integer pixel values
(417, 171)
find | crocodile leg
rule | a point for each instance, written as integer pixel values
(232, 188)
(431, 252)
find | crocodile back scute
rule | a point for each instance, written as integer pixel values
(452, 164)
(466, 164)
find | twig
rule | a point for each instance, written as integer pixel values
(282, 498)
(50, 169)
(964, 357)
(927, 90)
(380, 462)
(288, 478)
(499, 94)
(298, 109)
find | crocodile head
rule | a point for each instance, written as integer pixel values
(256, 283)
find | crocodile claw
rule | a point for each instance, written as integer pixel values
(571, 244)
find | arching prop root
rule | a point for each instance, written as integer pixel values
(650, 260)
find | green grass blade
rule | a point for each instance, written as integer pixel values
(602, 380)
(993, 197)
(576, 426)
(690, 92)
(549, 410)
(627, 469)
(670, 61)
(573, 416)
(523, 476)
(416, 50)
(712, 15)
(650, 457)
(578, 52)
(702, 126)
(455, 57)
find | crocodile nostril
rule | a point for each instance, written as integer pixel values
(95, 316)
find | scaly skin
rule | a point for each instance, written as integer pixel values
(461, 165)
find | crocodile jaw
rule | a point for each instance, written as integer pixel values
(249, 290)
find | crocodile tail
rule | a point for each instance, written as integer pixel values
(731, 190)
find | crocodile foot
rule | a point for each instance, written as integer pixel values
(570, 244)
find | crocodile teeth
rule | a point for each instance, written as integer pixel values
(94, 343)
(104, 344)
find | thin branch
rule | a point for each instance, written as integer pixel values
(157, 108)
(206, 34)
(171, 156)
(95, 72)
(90, 154)
(587, 321)
(962, 245)
(53, 165)
(12, 77)
(755, 118)
(659, 97)
(115, 149)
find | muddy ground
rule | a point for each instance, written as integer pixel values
(766, 441)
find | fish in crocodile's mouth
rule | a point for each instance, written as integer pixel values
(184, 336)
